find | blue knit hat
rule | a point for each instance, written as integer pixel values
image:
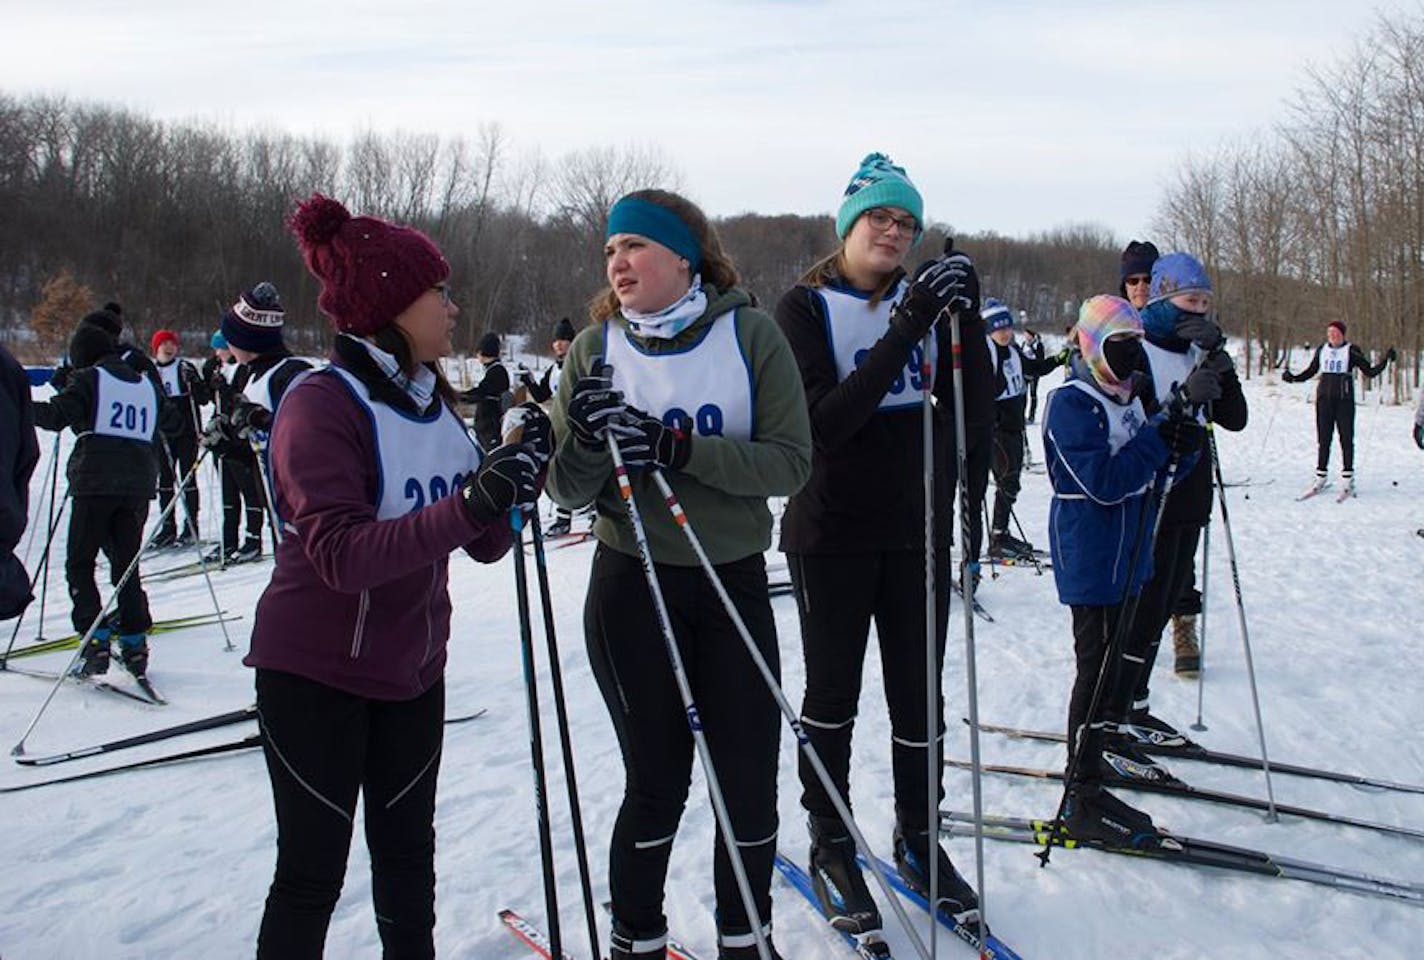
(878, 183)
(1175, 274)
(218, 342)
(996, 316)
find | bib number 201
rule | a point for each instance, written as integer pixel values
(127, 417)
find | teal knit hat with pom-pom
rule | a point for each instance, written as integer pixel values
(878, 183)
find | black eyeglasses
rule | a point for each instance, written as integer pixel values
(882, 219)
(444, 290)
(1137, 281)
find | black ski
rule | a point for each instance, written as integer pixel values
(1189, 850)
(979, 610)
(140, 695)
(246, 743)
(1195, 751)
(138, 740)
(1177, 788)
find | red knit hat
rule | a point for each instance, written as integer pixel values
(370, 269)
(161, 337)
(1338, 325)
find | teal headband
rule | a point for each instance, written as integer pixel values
(657, 223)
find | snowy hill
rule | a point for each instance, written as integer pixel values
(175, 861)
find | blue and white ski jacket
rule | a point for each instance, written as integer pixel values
(1101, 463)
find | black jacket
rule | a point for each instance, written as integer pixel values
(100, 465)
(1009, 412)
(19, 452)
(866, 490)
(1337, 386)
(180, 412)
(488, 400)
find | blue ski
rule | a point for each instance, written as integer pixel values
(994, 949)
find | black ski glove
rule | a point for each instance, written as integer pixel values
(214, 433)
(645, 441)
(949, 281)
(1197, 328)
(1419, 435)
(533, 429)
(508, 477)
(594, 406)
(1203, 386)
(1390, 356)
(1182, 434)
(249, 418)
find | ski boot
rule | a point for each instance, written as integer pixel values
(957, 898)
(626, 944)
(1094, 815)
(742, 945)
(561, 526)
(1122, 757)
(186, 539)
(251, 549)
(974, 577)
(163, 539)
(1184, 645)
(836, 878)
(216, 555)
(1143, 727)
(94, 658)
(1347, 485)
(1004, 544)
(133, 652)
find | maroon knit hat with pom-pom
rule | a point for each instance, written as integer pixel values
(370, 270)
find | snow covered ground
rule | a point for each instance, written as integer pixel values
(175, 861)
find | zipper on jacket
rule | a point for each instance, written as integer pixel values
(429, 627)
(358, 635)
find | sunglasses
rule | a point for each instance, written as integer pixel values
(1137, 281)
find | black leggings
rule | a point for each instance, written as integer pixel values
(1093, 631)
(1173, 559)
(1007, 468)
(114, 525)
(1335, 415)
(630, 662)
(977, 460)
(184, 449)
(240, 498)
(838, 596)
(323, 746)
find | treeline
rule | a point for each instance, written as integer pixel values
(1322, 216)
(173, 220)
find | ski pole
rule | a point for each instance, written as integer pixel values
(44, 569)
(51, 479)
(536, 737)
(1032, 553)
(1201, 641)
(789, 712)
(933, 711)
(19, 748)
(265, 488)
(192, 523)
(561, 714)
(961, 450)
(1271, 816)
(694, 720)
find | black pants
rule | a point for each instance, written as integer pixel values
(978, 457)
(1173, 559)
(184, 449)
(1032, 398)
(1337, 415)
(322, 747)
(1094, 629)
(838, 596)
(240, 498)
(630, 661)
(1007, 468)
(115, 526)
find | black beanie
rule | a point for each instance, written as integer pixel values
(489, 345)
(1137, 259)
(254, 322)
(90, 344)
(564, 329)
(106, 320)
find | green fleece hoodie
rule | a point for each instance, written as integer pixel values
(726, 481)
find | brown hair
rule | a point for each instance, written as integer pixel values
(392, 339)
(717, 268)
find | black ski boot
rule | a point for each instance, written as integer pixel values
(1153, 731)
(1123, 757)
(561, 525)
(133, 651)
(250, 550)
(627, 944)
(837, 880)
(163, 539)
(1092, 814)
(216, 555)
(957, 898)
(94, 658)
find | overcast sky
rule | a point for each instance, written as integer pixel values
(1015, 115)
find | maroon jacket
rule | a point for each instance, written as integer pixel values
(356, 603)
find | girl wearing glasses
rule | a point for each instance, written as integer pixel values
(377, 482)
(855, 535)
